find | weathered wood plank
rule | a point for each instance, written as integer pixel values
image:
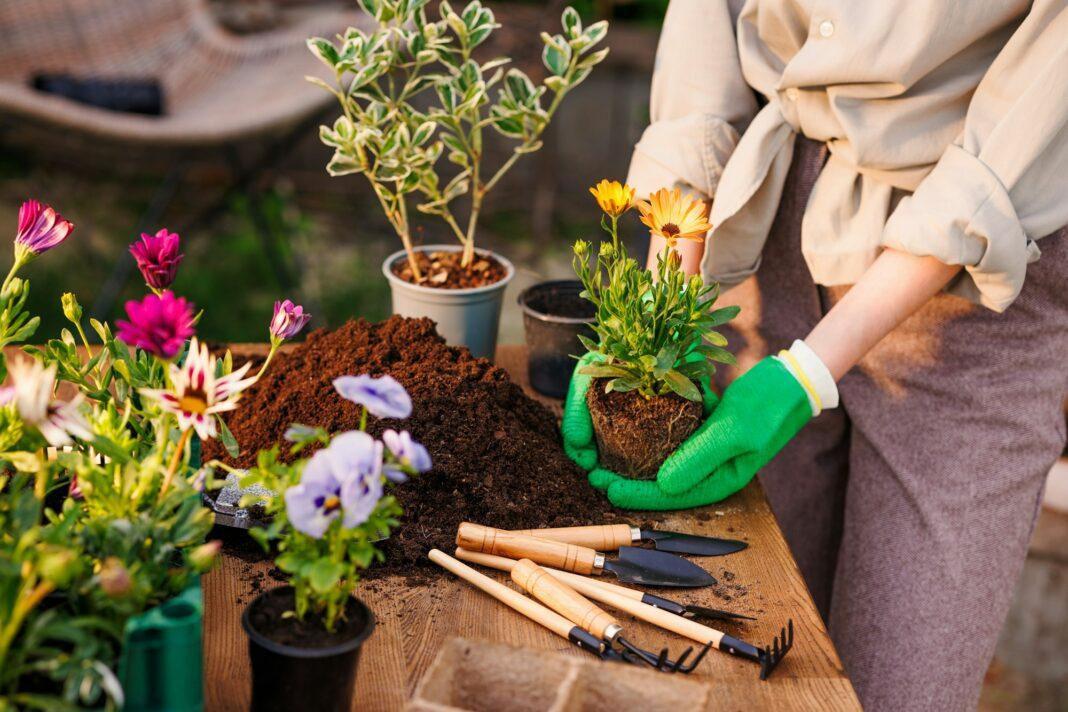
(414, 620)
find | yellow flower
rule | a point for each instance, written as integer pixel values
(614, 197)
(674, 217)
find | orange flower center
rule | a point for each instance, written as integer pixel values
(670, 230)
(331, 504)
(195, 402)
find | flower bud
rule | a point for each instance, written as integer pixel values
(57, 566)
(203, 557)
(71, 308)
(114, 579)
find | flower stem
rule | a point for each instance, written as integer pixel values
(363, 419)
(175, 460)
(20, 261)
(270, 354)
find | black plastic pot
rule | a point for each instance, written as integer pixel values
(553, 317)
(286, 677)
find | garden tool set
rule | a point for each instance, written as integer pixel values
(561, 573)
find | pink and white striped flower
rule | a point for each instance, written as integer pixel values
(196, 394)
(57, 421)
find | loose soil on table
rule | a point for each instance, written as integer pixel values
(268, 616)
(497, 454)
(635, 434)
(442, 270)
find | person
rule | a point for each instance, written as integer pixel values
(888, 186)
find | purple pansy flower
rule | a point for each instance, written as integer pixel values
(288, 320)
(158, 258)
(343, 480)
(40, 228)
(383, 397)
(158, 324)
(408, 455)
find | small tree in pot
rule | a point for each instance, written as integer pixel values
(656, 340)
(305, 638)
(412, 90)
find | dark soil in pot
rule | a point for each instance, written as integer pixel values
(442, 270)
(497, 454)
(299, 664)
(634, 434)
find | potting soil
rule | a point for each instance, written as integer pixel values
(497, 454)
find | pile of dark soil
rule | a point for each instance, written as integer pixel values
(497, 454)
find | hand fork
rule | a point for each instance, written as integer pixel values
(572, 605)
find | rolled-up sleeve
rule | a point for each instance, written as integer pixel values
(699, 103)
(1004, 183)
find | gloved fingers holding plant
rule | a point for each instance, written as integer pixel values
(644, 387)
(641, 416)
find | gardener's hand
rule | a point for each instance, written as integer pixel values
(577, 427)
(760, 412)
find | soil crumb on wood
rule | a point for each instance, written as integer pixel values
(497, 454)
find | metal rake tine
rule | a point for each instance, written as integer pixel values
(771, 656)
(686, 670)
(681, 661)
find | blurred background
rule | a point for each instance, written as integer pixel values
(233, 163)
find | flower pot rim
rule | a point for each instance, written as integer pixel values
(509, 271)
(293, 651)
(553, 318)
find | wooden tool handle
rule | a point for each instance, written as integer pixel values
(488, 540)
(603, 537)
(624, 599)
(650, 614)
(540, 584)
(531, 609)
(573, 580)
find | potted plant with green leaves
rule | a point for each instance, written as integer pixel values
(412, 90)
(656, 342)
(326, 511)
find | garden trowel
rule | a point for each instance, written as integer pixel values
(634, 565)
(609, 537)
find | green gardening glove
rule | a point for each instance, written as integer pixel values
(577, 427)
(760, 412)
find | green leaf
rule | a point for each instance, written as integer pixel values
(227, 439)
(603, 370)
(324, 575)
(556, 57)
(596, 32)
(682, 385)
(288, 562)
(715, 353)
(718, 317)
(324, 50)
(571, 21)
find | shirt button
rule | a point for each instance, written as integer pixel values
(792, 93)
(826, 28)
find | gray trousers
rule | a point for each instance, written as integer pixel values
(910, 507)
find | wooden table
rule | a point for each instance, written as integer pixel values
(413, 622)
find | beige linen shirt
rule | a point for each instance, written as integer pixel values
(947, 124)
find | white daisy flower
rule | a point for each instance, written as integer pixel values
(197, 394)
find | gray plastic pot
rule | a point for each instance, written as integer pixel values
(465, 317)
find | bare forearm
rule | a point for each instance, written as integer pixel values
(894, 287)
